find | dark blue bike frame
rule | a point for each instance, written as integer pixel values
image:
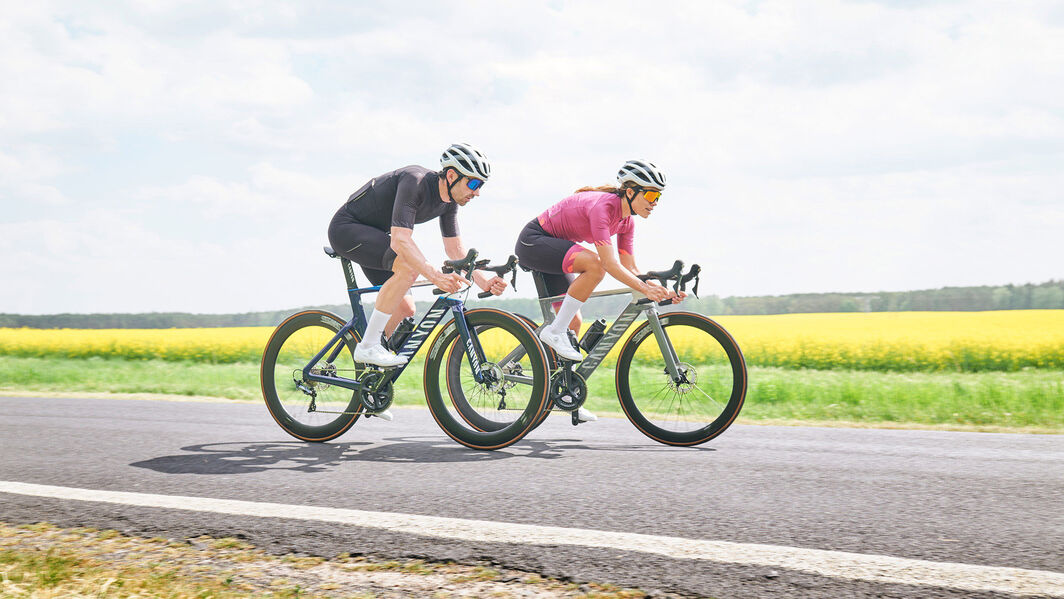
(443, 305)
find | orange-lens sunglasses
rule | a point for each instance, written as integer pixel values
(652, 196)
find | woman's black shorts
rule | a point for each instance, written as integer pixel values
(539, 250)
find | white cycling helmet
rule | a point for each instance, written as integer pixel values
(644, 174)
(467, 160)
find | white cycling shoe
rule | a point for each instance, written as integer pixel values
(385, 415)
(377, 355)
(560, 343)
(584, 416)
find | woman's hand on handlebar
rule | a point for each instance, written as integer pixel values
(496, 285)
(449, 283)
(653, 290)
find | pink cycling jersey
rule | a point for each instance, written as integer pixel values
(592, 217)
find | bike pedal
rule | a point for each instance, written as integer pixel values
(576, 417)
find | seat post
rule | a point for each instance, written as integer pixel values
(541, 285)
(349, 272)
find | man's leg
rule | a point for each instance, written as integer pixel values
(405, 309)
(392, 302)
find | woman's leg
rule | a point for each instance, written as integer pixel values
(588, 268)
(540, 251)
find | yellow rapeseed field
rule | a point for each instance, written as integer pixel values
(895, 341)
(223, 345)
(904, 341)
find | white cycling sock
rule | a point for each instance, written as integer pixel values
(375, 327)
(570, 306)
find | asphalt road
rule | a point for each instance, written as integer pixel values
(978, 499)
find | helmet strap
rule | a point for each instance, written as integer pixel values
(630, 199)
(450, 186)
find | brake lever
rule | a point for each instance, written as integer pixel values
(691, 274)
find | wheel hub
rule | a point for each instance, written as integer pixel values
(492, 378)
(688, 378)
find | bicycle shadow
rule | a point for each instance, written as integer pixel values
(248, 458)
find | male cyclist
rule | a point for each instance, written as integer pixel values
(374, 230)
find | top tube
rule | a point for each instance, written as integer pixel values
(604, 293)
(376, 288)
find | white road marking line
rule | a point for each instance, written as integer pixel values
(835, 564)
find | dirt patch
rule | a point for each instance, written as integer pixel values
(41, 560)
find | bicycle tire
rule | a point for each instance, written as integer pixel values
(715, 363)
(293, 343)
(552, 365)
(467, 424)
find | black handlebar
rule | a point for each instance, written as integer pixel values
(467, 265)
(673, 274)
(664, 276)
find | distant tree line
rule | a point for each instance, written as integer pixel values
(1048, 295)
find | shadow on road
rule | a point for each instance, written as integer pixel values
(247, 458)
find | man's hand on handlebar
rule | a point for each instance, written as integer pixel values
(496, 285)
(449, 282)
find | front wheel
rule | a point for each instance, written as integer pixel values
(503, 406)
(702, 400)
(309, 410)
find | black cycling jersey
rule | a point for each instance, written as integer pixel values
(360, 229)
(403, 198)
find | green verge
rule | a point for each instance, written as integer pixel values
(1029, 400)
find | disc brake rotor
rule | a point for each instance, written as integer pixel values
(688, 378)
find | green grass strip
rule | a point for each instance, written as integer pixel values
(1026, 400)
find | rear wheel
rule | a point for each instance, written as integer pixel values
(711, 387)
(309, 410)
(504, 405)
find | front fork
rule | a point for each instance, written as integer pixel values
(668, 352)
(473, 350)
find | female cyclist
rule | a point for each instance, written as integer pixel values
(594, 215)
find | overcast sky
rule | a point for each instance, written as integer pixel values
(187, 156)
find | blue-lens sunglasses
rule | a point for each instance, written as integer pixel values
(474, 184)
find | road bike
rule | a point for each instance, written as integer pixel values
(680, 377)
(316, 392)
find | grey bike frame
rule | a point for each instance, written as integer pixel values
(613, 334)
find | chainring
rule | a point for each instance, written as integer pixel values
(379, 400)
(568, 397)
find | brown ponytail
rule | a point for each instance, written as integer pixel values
(618, 191)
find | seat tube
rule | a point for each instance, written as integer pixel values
(668, 353)
(353, 294)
